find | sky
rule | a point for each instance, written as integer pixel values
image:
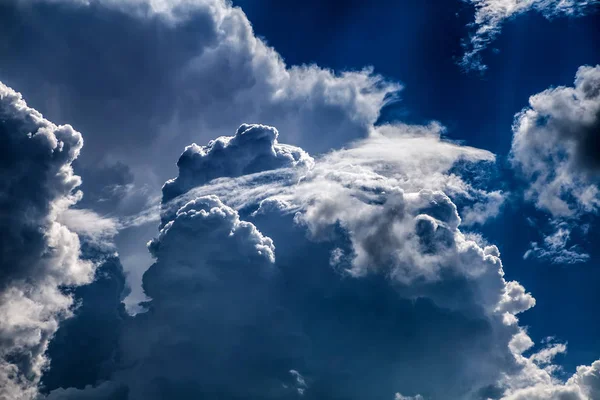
(256, 199)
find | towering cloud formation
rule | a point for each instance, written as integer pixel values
(39, 256)
(556, 146)
(491, 14)
(384, 296)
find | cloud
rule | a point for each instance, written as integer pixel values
(40, 255)
(170, 73)
(83, 350)
(401, 397)
(485, 209)
(201, 57)
(339, 271)
(583, 385)
(491, 14)
(556, 247)
(254, 148)
(555, 147)
(104, 391)
(88, 224)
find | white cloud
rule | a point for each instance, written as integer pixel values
(583, 385)
(491, 14)
(39, 254)
(487, 207)
(401, 397)
(555, 147)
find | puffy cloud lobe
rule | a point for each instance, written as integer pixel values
(583, 385)
(209, 216)
(254, 148)
(555, 146)
(491, 14)
(39, 254)
(209, 293)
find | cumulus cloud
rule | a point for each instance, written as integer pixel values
(555, 147)
(583, 385)
(370, 227)
(210, 273)
(491, 14)
(40, 255)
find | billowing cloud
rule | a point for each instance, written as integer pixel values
(491, 14)
(538, 383)
(348, 267)
(254, 148)
(170, 73)
(39, 255)
(555, 147)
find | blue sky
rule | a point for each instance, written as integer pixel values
(284, 200)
